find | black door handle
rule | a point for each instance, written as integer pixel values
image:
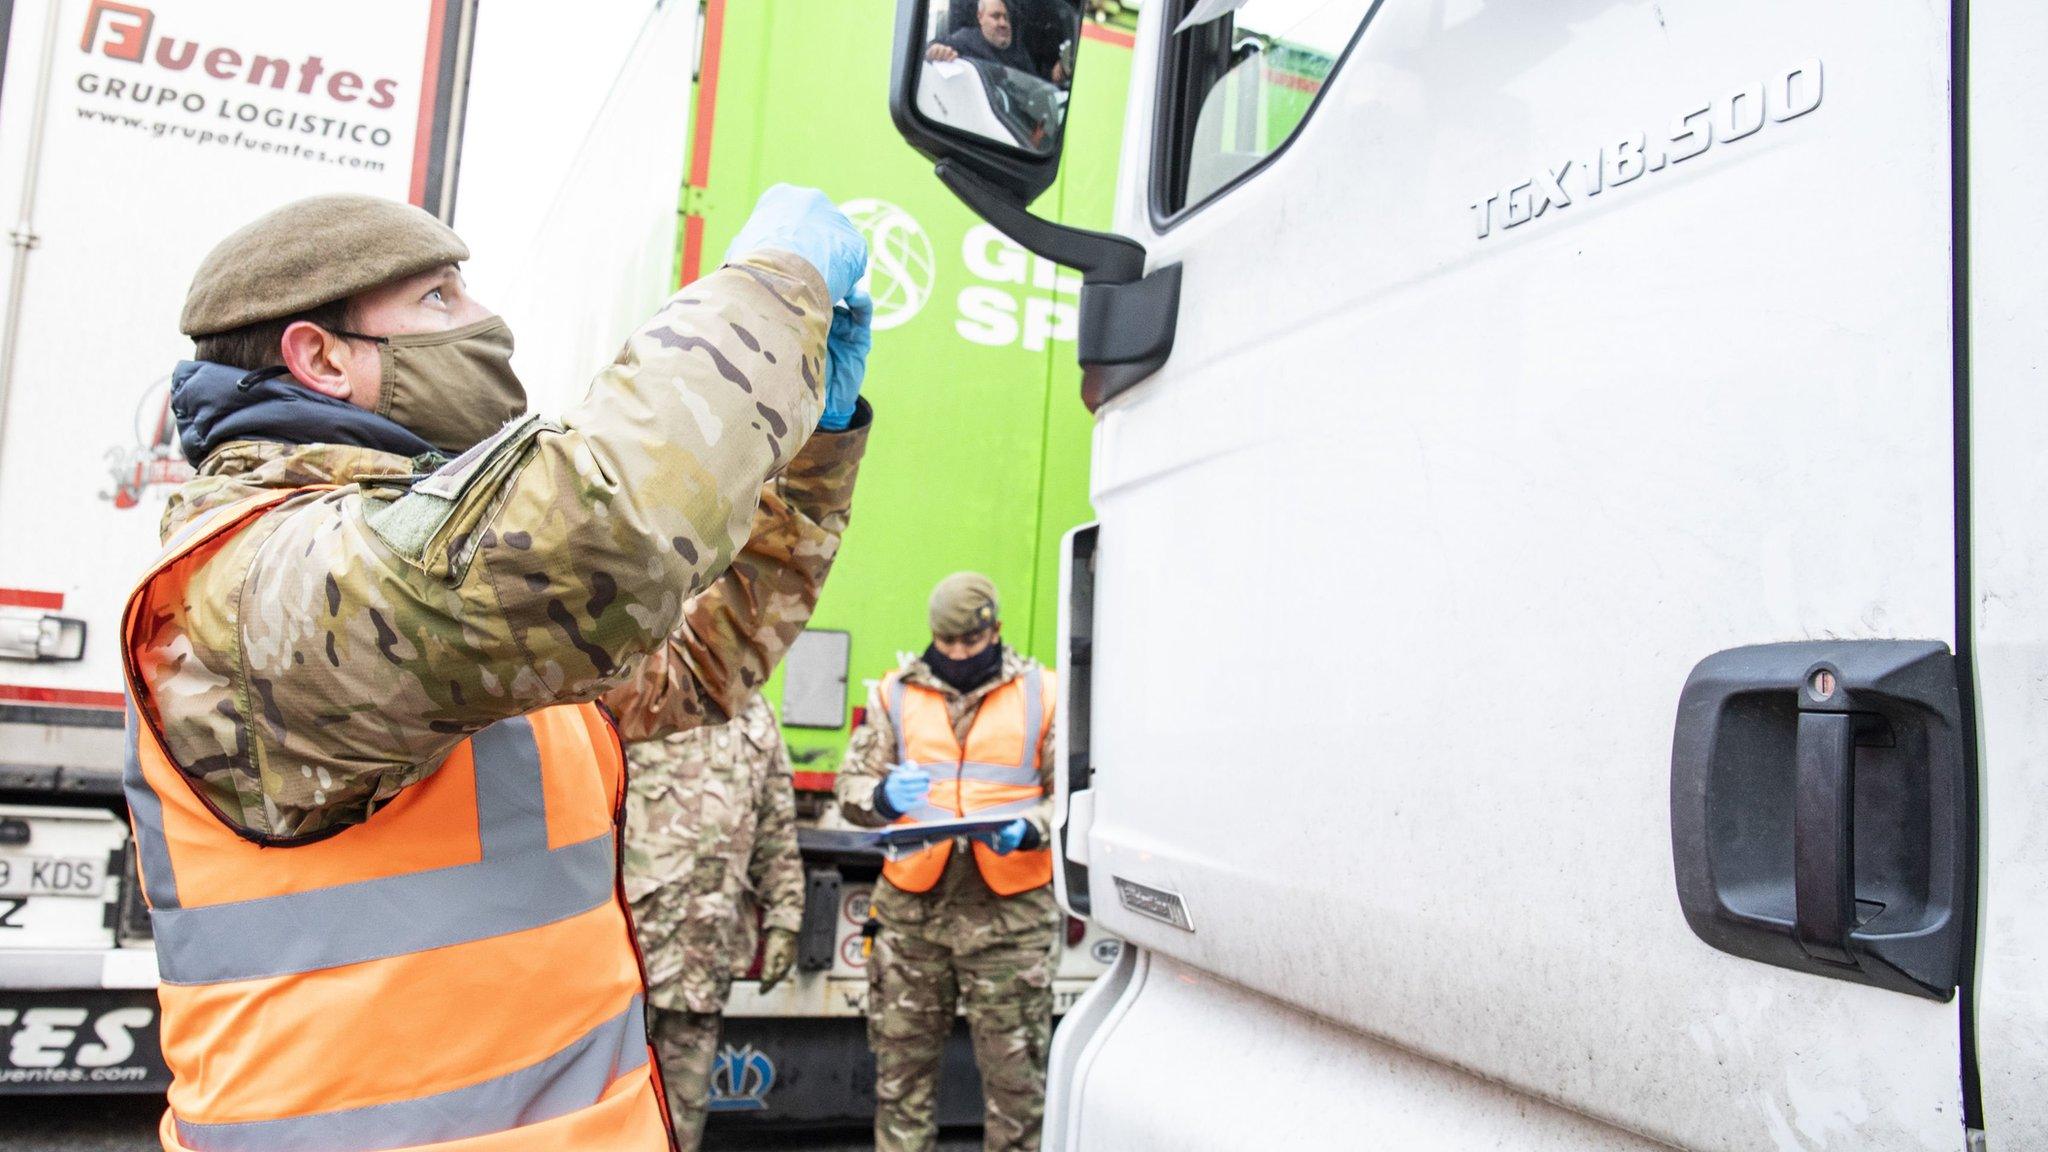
(1824, 835)
(1775, 835)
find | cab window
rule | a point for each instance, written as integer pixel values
(1238, 85)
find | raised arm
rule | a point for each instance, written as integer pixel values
(358, 635)
(737, 629)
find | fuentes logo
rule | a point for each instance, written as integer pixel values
(126, 32)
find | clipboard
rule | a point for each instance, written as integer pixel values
(899, 840)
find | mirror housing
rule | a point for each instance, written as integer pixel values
(1127, 316)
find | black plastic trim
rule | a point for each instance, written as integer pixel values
(1965, 582)
(1127, 332)
(1100, 257)
(1128, 318)
(1173, 119)
(1167, 96)
(1077, 671)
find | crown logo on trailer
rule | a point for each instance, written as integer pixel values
(741, 1079)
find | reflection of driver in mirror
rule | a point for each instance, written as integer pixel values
(993, 38)
(999, 69)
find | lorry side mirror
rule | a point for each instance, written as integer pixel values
(985, 83)
(980, 87)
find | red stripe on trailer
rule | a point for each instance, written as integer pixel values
(23, 598)
(1093, 31)
(700, 138)
(813, 781)
(1294, 80)
(707, 91)
(68, 697)
(430, 91)
(693, 250)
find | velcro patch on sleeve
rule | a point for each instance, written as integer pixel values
(433, 526)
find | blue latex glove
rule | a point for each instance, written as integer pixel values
(846, 359)
(904, 790)
(1006, 839)
(803, 221)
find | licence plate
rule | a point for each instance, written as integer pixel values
(24, 875)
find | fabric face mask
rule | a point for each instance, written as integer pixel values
(965, 675)
(454, 388)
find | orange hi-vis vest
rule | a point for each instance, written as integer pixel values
(997, 772)
(458, 971)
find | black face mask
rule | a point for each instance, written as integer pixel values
(965, 675)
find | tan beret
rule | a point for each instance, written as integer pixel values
(963, 603)
(312, 252)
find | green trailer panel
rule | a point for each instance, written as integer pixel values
(979, 457)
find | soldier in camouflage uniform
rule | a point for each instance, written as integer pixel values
(611, 552)
(710, 837)
(960, 943)
(656, 547)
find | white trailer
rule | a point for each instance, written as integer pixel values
(1561, 661)
(133, 136)
(569, 140)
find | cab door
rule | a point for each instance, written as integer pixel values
(1531, 357)
(2008, 388)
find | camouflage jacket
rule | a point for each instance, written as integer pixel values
(872, 752)
(710, 837)
(333, 652)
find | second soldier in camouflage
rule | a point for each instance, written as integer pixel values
(710, 839)
(979, 930)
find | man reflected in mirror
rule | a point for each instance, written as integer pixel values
(992, 37)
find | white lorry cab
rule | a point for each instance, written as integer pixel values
(1562, 657)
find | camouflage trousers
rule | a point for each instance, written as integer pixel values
(993, 958)
(687, 1043)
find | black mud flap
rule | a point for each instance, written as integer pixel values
(817, 1072)
(85, 1041)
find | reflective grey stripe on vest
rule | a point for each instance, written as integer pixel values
(574, 1078)
(1022, 774)
(159, 882)
(519, 884)
(193, 526)
(1012, 774)
(1013, 808)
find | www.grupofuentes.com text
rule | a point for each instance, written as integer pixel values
(287, 149)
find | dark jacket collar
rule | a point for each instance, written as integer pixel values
(215, 404)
